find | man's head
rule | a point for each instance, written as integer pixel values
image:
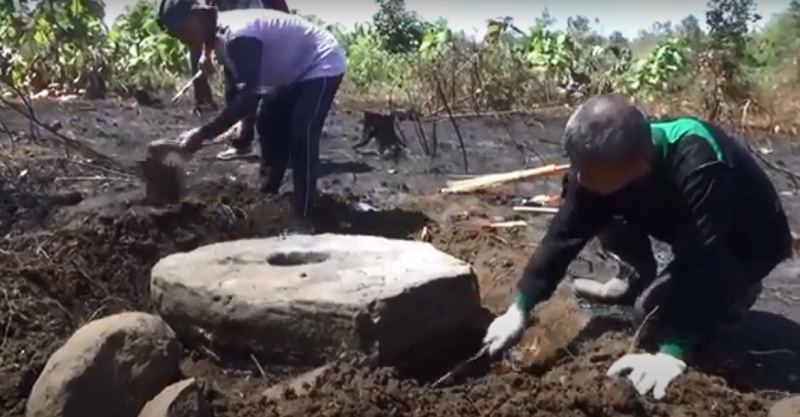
(187, 20)
(608, 142)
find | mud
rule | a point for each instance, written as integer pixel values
(79, 245)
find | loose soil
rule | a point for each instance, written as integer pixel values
(79, 245)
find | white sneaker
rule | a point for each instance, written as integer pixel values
(234, 153)
(612, 289)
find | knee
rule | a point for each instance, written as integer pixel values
(640, 307)
(651, 299)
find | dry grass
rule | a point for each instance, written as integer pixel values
(475, 81)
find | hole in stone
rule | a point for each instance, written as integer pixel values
(297, 258)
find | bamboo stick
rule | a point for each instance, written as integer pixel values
(540, 210)
(493, 180)
(513, 223)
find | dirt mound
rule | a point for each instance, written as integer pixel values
(96, 261)
(95, 265)
(576, 386)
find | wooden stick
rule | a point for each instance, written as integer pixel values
(187, 85)
(513, 223)
(541, 210)
(510, 176)
(492, 180)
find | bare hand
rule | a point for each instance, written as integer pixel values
(206, 63)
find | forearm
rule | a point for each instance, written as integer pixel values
(702, 294)
(705, 276)
(242, 93)
(579, 217)
(242, 106)
(541, 275)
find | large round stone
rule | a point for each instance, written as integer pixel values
(789, 407)
(311, 298)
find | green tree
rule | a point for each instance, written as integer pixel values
(401, 29)
(793, 11)
(662, 29)
(776, 44)
(689, 29)
(545, 20)
(618, 39)
(729, 23)
(579, 25)
(580, 28)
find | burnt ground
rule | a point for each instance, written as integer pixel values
(79, 245)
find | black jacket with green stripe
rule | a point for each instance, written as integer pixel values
(682, 201)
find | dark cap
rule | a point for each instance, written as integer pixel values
(606, 128)
(172, 12)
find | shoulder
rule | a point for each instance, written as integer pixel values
(687, 140)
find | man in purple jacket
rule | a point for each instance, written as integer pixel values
(287, 68)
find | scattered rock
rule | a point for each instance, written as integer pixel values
(181, 399)
(790, 407)
(109, 368)
(298, 386)
(313, 298)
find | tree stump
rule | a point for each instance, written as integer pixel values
(95, 84)
(163, 172)
(381, 127)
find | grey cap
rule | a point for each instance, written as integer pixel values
(606, 128)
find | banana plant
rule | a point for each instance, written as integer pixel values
(659, 69)
(436, 37)
(551, 52)
(142, 50)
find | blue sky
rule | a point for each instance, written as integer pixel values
(626, 16)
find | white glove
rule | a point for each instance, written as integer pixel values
(609, 290)
(505, 329)
(649, 371)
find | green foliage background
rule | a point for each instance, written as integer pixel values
(65, 47)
